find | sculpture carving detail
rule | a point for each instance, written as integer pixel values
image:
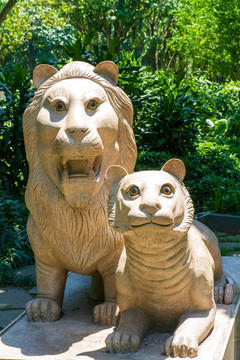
(78, 124)
(166, 274)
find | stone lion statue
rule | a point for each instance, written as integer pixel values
(167, 270)
(78, 124)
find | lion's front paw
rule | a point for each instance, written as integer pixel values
(122, 342)
(181, 345)
(43, 309)
(106, 313)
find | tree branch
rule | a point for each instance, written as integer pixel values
(7, 8)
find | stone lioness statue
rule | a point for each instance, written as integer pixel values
(78, 124)
(166, 273)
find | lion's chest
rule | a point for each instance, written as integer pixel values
(78, 240)
(79, 251)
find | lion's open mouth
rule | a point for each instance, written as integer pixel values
(81, 169)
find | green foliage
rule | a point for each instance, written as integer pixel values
(112, 21)
(164, 107)
(216, 101)
(83, 49)
(207, 36)
(158, 28)
(33, 33)
(173, 124)
(15, 250)
(16, 92)
(190, 35)
(149, 160)
(213, 173)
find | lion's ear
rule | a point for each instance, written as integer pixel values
(113, 175)
(108, 70)
(176, 168)
(41, 73)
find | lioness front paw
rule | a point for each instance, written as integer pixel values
(106, 313)
(181, 345)
(43, 309)
(122, 342)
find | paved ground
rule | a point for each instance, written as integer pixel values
(13, 299)
(75, 336)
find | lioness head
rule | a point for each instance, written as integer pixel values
(78, 124)
(147, 202)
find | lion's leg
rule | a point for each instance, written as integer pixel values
(51, 280)
(225, 287)
(97, 288)
(108, 312)
(193, 328)
(133, 326)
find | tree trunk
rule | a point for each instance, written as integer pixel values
(7, 8)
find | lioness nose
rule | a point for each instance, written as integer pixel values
(150, 207)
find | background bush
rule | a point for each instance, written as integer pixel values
(16, 91)
(15, 249)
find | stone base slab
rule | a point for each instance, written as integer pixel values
(75, 336)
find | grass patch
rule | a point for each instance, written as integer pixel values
(9, 278)
(229, 238)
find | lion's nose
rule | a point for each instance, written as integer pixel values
(77, 133)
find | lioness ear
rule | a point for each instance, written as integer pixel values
(41, 73)
(109, 70)
(176, 168)
(113, 175)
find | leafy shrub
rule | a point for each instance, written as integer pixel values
(216, 102)
(16, 91)
(164, 107)
(172, 119)
(213, 173)
(15, 250)
(147, 160)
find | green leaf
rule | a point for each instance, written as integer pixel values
(220, 127)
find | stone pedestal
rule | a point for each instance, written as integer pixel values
(75, 336)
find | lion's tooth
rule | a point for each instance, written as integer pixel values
(91, 161)
(91, 174)
(64, 161)
(97, 167)
(65, 176)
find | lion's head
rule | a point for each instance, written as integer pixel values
(78, 124)
(149, 202)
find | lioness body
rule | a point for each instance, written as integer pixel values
(78, 124)
(175, 284)
(166, 273)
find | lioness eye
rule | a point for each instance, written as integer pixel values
(166, 190)
(134, 191)
(60, 106)
(92, 105)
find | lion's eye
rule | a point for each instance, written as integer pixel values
(166, 190)
(60, 106)
(134, 191)
(92, 105)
